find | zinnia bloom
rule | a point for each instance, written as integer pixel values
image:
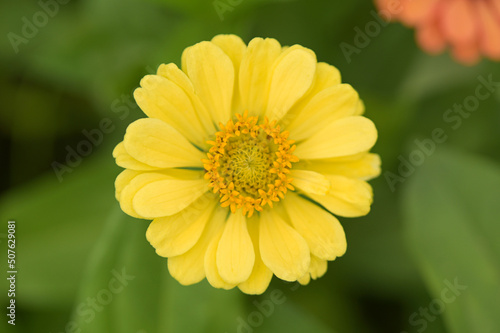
(469, 27)
(246, 154)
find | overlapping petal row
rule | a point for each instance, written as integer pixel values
(164, 177)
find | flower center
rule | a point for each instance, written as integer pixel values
(248, 164)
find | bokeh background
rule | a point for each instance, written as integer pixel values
(435, 226)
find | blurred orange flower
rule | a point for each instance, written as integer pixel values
(471, 28)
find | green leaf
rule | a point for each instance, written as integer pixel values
(435, 75)
(452, 211)
(290, 318)
(215, 9)
(149, 300)
(56, 226)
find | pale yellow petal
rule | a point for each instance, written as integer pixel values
(292, 76)
(212, 73)
(255, 74)
(261, 276)
(134, 185)
(211, 270)
(365, 166)
(347, 197)
(168, 196)
(310, 181)
(360, 108)
(318, 267)
(176, 234)
(304, 280)
(235, 253)
(346, 136)
(142, 179)
(122, 180)
(189, 268)
(174, 74)
(326, 107)
(124, 159)
(326, 76)
(163, 99)
(321, 230)
(154, 142)
(234, 47)
(282, 248)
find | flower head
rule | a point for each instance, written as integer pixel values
(469, 27)
(246, 154)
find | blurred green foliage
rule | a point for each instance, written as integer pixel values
(436, 224)
(463, 203)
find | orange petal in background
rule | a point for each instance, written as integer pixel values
(418, 11)
(467, 54)
(430, 38)
(489, 30)
(496, 7)
(458, 22)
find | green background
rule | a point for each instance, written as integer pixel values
(437, 226)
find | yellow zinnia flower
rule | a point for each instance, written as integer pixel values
(244, 157)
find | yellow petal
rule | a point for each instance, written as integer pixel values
(122, 180)
(189, 268)
(321, 230)
(124, 159)
(304, 280)
(292, 76)
(142, 179)
(234, 47)
(326, 76)
(360, 108)
(134, 185)
(158, 144)
(211, 270)
(310, 181)
(174, 74)
(347, 197)
(363, 166)
(235, 254)
(212, 73)
(163, 99)
(346, 136)
(326, 107)
(255, 73)
(318, 267)
(283, 250)
(176, 234)
(261, 276)
(168, 196)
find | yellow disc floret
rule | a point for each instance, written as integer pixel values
(248, 164)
